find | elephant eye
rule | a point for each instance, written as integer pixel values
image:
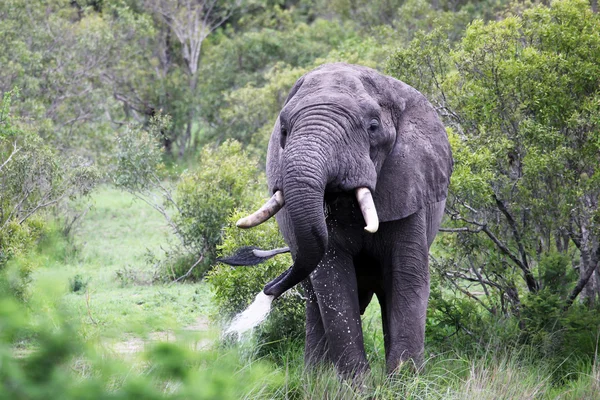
(283, 135)
(374, 124)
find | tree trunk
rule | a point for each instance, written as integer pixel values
(588, 284)
(185, 141)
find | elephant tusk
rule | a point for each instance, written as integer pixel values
(269, 209)
(367, 207)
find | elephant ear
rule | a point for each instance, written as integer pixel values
(417, 170)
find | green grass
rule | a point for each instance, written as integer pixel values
(117, 297)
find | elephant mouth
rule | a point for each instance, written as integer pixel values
(340, 204)
(331, 202)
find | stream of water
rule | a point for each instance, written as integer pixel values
(252, 316)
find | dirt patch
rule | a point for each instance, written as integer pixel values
(200, 325)
(136, 345)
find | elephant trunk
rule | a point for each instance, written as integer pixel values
(304, 180)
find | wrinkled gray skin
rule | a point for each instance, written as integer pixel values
(343, 127)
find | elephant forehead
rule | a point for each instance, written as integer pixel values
(354, 101)
(323, 99)
(340, 80)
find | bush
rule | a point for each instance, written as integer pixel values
(225, 178)
(138, 161)
(33, 178)
(235, 287)
(78, 284)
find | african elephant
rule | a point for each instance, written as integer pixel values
(352, 147)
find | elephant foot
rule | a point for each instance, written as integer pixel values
(410, 364)
(358, 380)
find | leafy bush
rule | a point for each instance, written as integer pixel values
(197, 208)
(138, 161)
(78, 283)
(225, 178)
(236, 287)
(520, 98)
(33, 178)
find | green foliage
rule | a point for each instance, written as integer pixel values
(59, 56)
(224, 179)
(449, 315)
(517, 96)
(556, 273)
(62, 366)
(78, 283)
(139, 156)
(33, 177)
(236, 287)
(559, 336)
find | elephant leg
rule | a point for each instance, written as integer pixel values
(335, 286)
(435, 213)
(386, 337)
(406, 287)
(315, 348)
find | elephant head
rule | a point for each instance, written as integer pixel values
(347, 128)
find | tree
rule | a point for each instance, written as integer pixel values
(192, 21)
(62, 56)
(521, 99)
(33, 179)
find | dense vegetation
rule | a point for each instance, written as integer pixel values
(173, 101)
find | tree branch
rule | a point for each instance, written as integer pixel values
(14, 151)
(529, 278)
(471, 296)
(584, 279)
(513, 225)
(40, 206)
(184, 276)
(462, 229)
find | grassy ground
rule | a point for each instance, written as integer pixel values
(102, 284)
(103, 281)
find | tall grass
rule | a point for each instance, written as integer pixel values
(447, 376)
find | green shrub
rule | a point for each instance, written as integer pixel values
(235, 287)
(78, 283)
(225, 178)
(17, 239)
(16, 243)
(33, 178)
(197, 208)
(558, 333)
(139, 158)
(556, 273)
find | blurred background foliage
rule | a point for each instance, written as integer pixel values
(173, 101)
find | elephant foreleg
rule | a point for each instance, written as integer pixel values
(315, 348)
(406, 291)
(335, 286)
